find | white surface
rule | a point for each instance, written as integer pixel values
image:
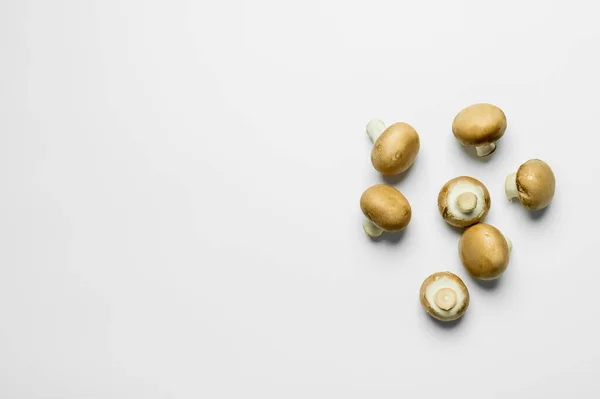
(180, 185)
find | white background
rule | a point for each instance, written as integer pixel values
(180, 185)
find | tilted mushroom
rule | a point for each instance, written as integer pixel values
(385, 208)
(480, 126)
(444, 296)
(533, 184)
(484, 251)
(394, 148)
(464, 201)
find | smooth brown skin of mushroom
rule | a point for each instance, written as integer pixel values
(479, 124)
(386, 207)
(483, 251)
(396, 149)
(443, 204)
(425, 302)
(535, 184)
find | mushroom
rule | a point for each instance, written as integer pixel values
(533, 184)
(444, 296)
(385, 208)
(464, 201)
(484, 251)
(480, 125)
(394, 148)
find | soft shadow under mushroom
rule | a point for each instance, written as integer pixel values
(392, 238)
(397, 179)
(470, 152)
(538, 215)
(488, 285)
(446, 325)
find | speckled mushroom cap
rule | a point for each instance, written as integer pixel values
(533, 184)
(386, 207)
(479, 124)
(444, 296)
(396, 149)
(484, 251)
(464, 201)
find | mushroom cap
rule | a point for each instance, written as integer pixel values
(386, 207)
(449, 195)
(479, 124)
(535, 184)
(439, 281)
(396, 149)
(484, 251)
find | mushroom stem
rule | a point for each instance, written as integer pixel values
(466, 202)
(510, 186)
(374, 129)
(509, 242)
(485, 149)
(445, 298)
(372, 229)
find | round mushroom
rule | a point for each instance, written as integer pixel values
(444, 296)
(385, 208)
(464, 201)
(394, 148)
(484, 251)
(533, 184)
(480, 126)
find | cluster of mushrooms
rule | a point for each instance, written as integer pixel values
(463, 202)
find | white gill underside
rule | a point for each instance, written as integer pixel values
(461, 188)
(445, 282)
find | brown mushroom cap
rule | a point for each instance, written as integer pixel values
(479, 124)
(451, 192)
(484, 251)
(396, 149)
(535, 184)
(386, 207)
(444, 296)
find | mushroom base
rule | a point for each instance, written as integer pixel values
(372, 229)
(375, 128)
(510, 186)
(485, 149)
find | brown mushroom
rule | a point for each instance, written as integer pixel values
(394, 148)
(480, 126)
(444, 296)
(464, 201)
(533, 184)
(484, 251)
(385, 208)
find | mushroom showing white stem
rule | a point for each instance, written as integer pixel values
(484, 251)
(480, 126)
(395, 148)
(464, 201)
(385, 209)
(533, 184)
(444, 296)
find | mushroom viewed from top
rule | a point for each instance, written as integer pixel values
(385, 209)
(533, 184)
(480, 126)
(484, 251)
(464, 201)
(444, 296)
(394, 148)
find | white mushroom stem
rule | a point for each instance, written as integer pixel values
(509, 242)
(466, 202)
(374, 129)
(485, 149)
(445, 298)
(372, 229)
(510, 186)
